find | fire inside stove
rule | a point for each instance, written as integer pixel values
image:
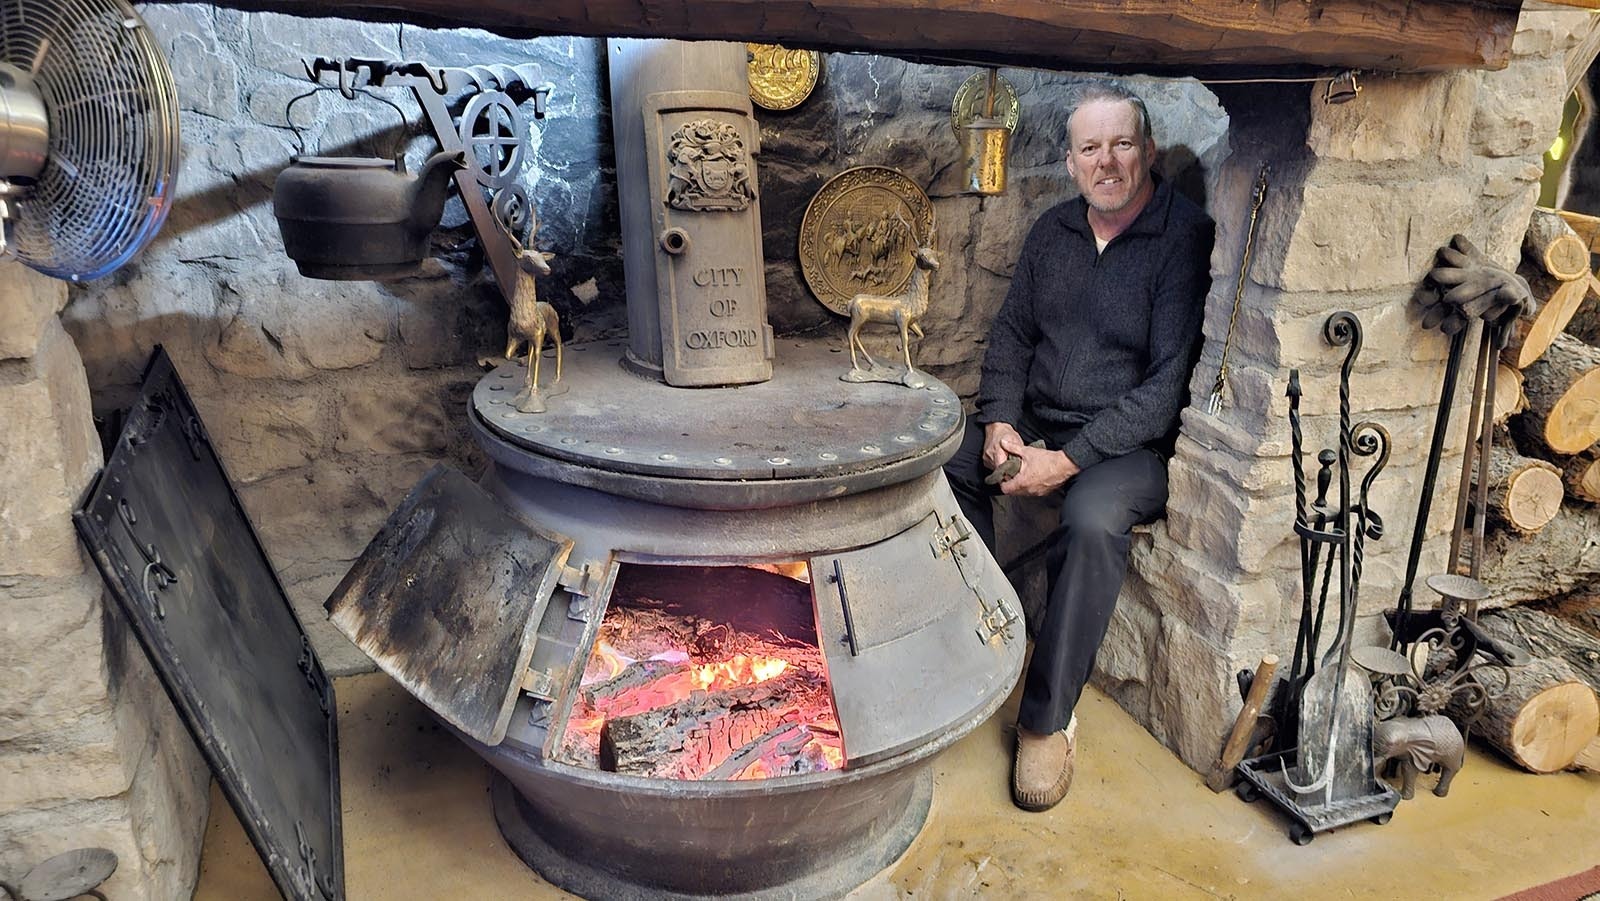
(709, 673)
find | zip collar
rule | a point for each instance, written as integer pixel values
(1152, 220)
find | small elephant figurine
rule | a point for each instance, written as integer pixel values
(1419, 742)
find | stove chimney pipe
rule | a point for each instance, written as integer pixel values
(686, 141)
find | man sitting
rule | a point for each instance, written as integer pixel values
(1090, 354)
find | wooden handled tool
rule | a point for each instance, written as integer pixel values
(1222, 774)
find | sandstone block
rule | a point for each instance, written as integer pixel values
(28, 302)
(1401, 227)
(84, 761)
(51, 452)
(1545, 32)
(52, 658)
(1518, 108)
(1400, 117)
(1193, 692)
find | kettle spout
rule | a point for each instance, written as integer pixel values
(432, 184)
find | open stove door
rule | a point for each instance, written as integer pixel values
(916, 631)
(448, 598)
(177, 551)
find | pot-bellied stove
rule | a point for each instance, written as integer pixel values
(709, 637)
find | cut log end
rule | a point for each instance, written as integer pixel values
(1508, 397)
(1582, 478)
(1553, 246)
(1533, 498)
(1554, 726)
(1558, 302)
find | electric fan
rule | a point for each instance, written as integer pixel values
(88, 135)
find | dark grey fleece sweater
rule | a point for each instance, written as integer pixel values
(1096, 348)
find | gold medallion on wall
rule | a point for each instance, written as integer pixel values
(972, 102)
(780, 78)
(852, 240)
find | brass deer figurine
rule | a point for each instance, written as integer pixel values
(900, 310)
(531, 319)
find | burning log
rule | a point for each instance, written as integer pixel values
(634, 675)
(689, 739)
(1563, 390)
(1523, 493)
(1552, 244)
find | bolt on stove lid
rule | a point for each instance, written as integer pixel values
(804, 423)
(178, 553)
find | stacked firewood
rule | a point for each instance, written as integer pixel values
(1543, 508)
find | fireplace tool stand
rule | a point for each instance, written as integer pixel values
(1325, 779)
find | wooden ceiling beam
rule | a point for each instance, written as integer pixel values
(1164, 37)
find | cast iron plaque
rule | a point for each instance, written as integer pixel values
(179, 554)
(447, 599)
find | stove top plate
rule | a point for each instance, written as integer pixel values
(805, 423)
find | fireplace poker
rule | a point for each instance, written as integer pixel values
(1214, 403)
(1430, 474)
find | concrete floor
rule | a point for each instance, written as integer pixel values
(1138, 824)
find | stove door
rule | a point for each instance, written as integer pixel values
(448, 597)
(919, 631)
(179, 555)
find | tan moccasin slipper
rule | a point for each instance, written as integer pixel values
(1042, 772)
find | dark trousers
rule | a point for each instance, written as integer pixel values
(1087, 561)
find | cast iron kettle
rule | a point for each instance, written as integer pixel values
(360, 218)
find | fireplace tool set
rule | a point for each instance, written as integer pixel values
(1324, 778)
(1394, 713)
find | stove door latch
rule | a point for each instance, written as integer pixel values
(995, 620)
(947, 540)
(539, 683)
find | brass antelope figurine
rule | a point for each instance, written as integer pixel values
(900, 310)
(531, 319)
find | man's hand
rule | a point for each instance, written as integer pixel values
(1042, 472)
(1000, 441)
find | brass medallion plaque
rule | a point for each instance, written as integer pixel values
(780, 78)
(851, 239)
(972, 101)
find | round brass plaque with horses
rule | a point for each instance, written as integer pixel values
(859, 234)
(780, 78)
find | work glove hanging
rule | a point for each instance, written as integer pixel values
(1465, 285)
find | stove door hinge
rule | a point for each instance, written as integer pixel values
(996, 620)
(578, 580)
(540, 683)
(949, 539)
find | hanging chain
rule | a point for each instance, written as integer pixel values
(1214, 404)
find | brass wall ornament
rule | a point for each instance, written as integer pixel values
(710, 167)
(850, 241)
(780, 78)
(984, 124)
(972, 100)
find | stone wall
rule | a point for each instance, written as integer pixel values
(91, 751)
(1362, 195)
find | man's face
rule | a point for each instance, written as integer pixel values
(1108, 158)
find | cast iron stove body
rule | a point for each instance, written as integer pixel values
(795, 523)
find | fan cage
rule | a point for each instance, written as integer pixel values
(112, 108)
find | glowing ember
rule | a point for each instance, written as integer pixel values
(671, 694)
